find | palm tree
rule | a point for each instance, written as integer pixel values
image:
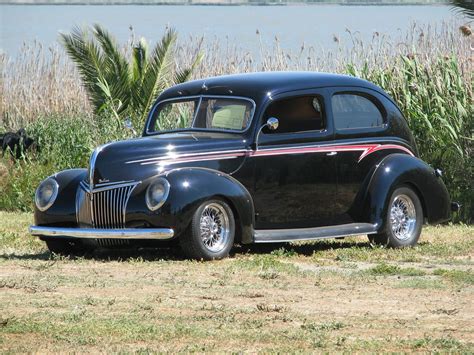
(126, 87)
(464, 6)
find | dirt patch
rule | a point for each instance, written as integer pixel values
(323, 297)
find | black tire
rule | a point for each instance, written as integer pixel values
(197, 241)
(403, 222)
(63, 247)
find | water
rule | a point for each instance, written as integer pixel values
(314, 25)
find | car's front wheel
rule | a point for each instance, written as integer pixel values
(211, 232)
(403, 222)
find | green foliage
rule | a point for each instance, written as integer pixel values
(465, 7)
(438, 105)
(384, 269)
(65, 143)
(457, 276)
(124, 86)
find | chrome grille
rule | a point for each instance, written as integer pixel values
(104, 207)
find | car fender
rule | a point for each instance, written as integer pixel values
(401, 169)
(189, 187)
(63, 210)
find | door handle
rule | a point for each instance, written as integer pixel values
(331, 154)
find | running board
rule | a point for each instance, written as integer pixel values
(292, 235)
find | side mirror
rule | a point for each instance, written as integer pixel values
(272, 124)
(127, 123)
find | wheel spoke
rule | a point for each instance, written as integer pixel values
(403, 217)
(214, 227)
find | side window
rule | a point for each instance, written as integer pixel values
(297, 114)
(352, 110)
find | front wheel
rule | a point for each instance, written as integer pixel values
(211, 232)
(403, 222)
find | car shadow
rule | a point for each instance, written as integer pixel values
(306, 249)
(175, 254)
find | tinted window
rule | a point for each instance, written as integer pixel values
(355, 111)
(297, 114)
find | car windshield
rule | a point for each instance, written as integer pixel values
(215, 113)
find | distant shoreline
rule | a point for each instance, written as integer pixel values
(227, 2)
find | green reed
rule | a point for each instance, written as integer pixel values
(427, 70)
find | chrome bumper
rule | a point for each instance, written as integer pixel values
(90, 233)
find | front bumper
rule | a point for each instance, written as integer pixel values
(90, 233)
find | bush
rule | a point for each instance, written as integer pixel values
(433, 95)
(64, 143)
(437, 103)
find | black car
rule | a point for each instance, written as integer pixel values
(263, 157)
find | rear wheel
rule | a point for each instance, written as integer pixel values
(211, 232)
(404, 220)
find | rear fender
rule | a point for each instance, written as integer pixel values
(401, 169)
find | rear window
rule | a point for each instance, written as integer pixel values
(355, 111)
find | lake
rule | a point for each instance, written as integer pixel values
(315, 25)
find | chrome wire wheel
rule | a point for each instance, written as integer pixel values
(214, 227)
(403, 217)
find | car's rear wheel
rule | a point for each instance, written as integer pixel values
(211, 232)
(63, 247)
(404, 220)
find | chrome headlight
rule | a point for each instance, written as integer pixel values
(157, 193)
(46, 194)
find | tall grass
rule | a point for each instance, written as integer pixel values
(427, 69)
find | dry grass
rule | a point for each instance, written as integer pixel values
(42, 81)
(323, 297)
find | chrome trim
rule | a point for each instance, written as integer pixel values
(53, 196)
(108, 186)
(403, 217)
(183, 98)
(104, 207)
(91, 233)
(214, 227)
(299, 234)
(92, 161)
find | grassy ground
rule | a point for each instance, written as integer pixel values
(337, 295)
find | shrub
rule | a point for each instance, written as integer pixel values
(437, 103)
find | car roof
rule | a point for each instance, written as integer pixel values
(259, 85)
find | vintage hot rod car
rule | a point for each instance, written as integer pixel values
(263, 157)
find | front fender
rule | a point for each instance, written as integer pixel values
(189, 187)
(63, 210)
(402, 169)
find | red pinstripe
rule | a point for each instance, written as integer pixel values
(365, 149)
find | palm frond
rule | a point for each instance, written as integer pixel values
(139, 66)
(465, 7)
(158, 72)
(116, 67)
(88, 58)
(183, 75)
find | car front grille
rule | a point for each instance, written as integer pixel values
(104, 207)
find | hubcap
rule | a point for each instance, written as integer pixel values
(214, 227)
(403, 217)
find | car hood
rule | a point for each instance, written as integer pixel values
(140, 158)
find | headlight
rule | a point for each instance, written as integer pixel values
(157, 193)
(46, 194)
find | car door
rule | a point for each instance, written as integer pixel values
(360, 128)
(295, 169)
